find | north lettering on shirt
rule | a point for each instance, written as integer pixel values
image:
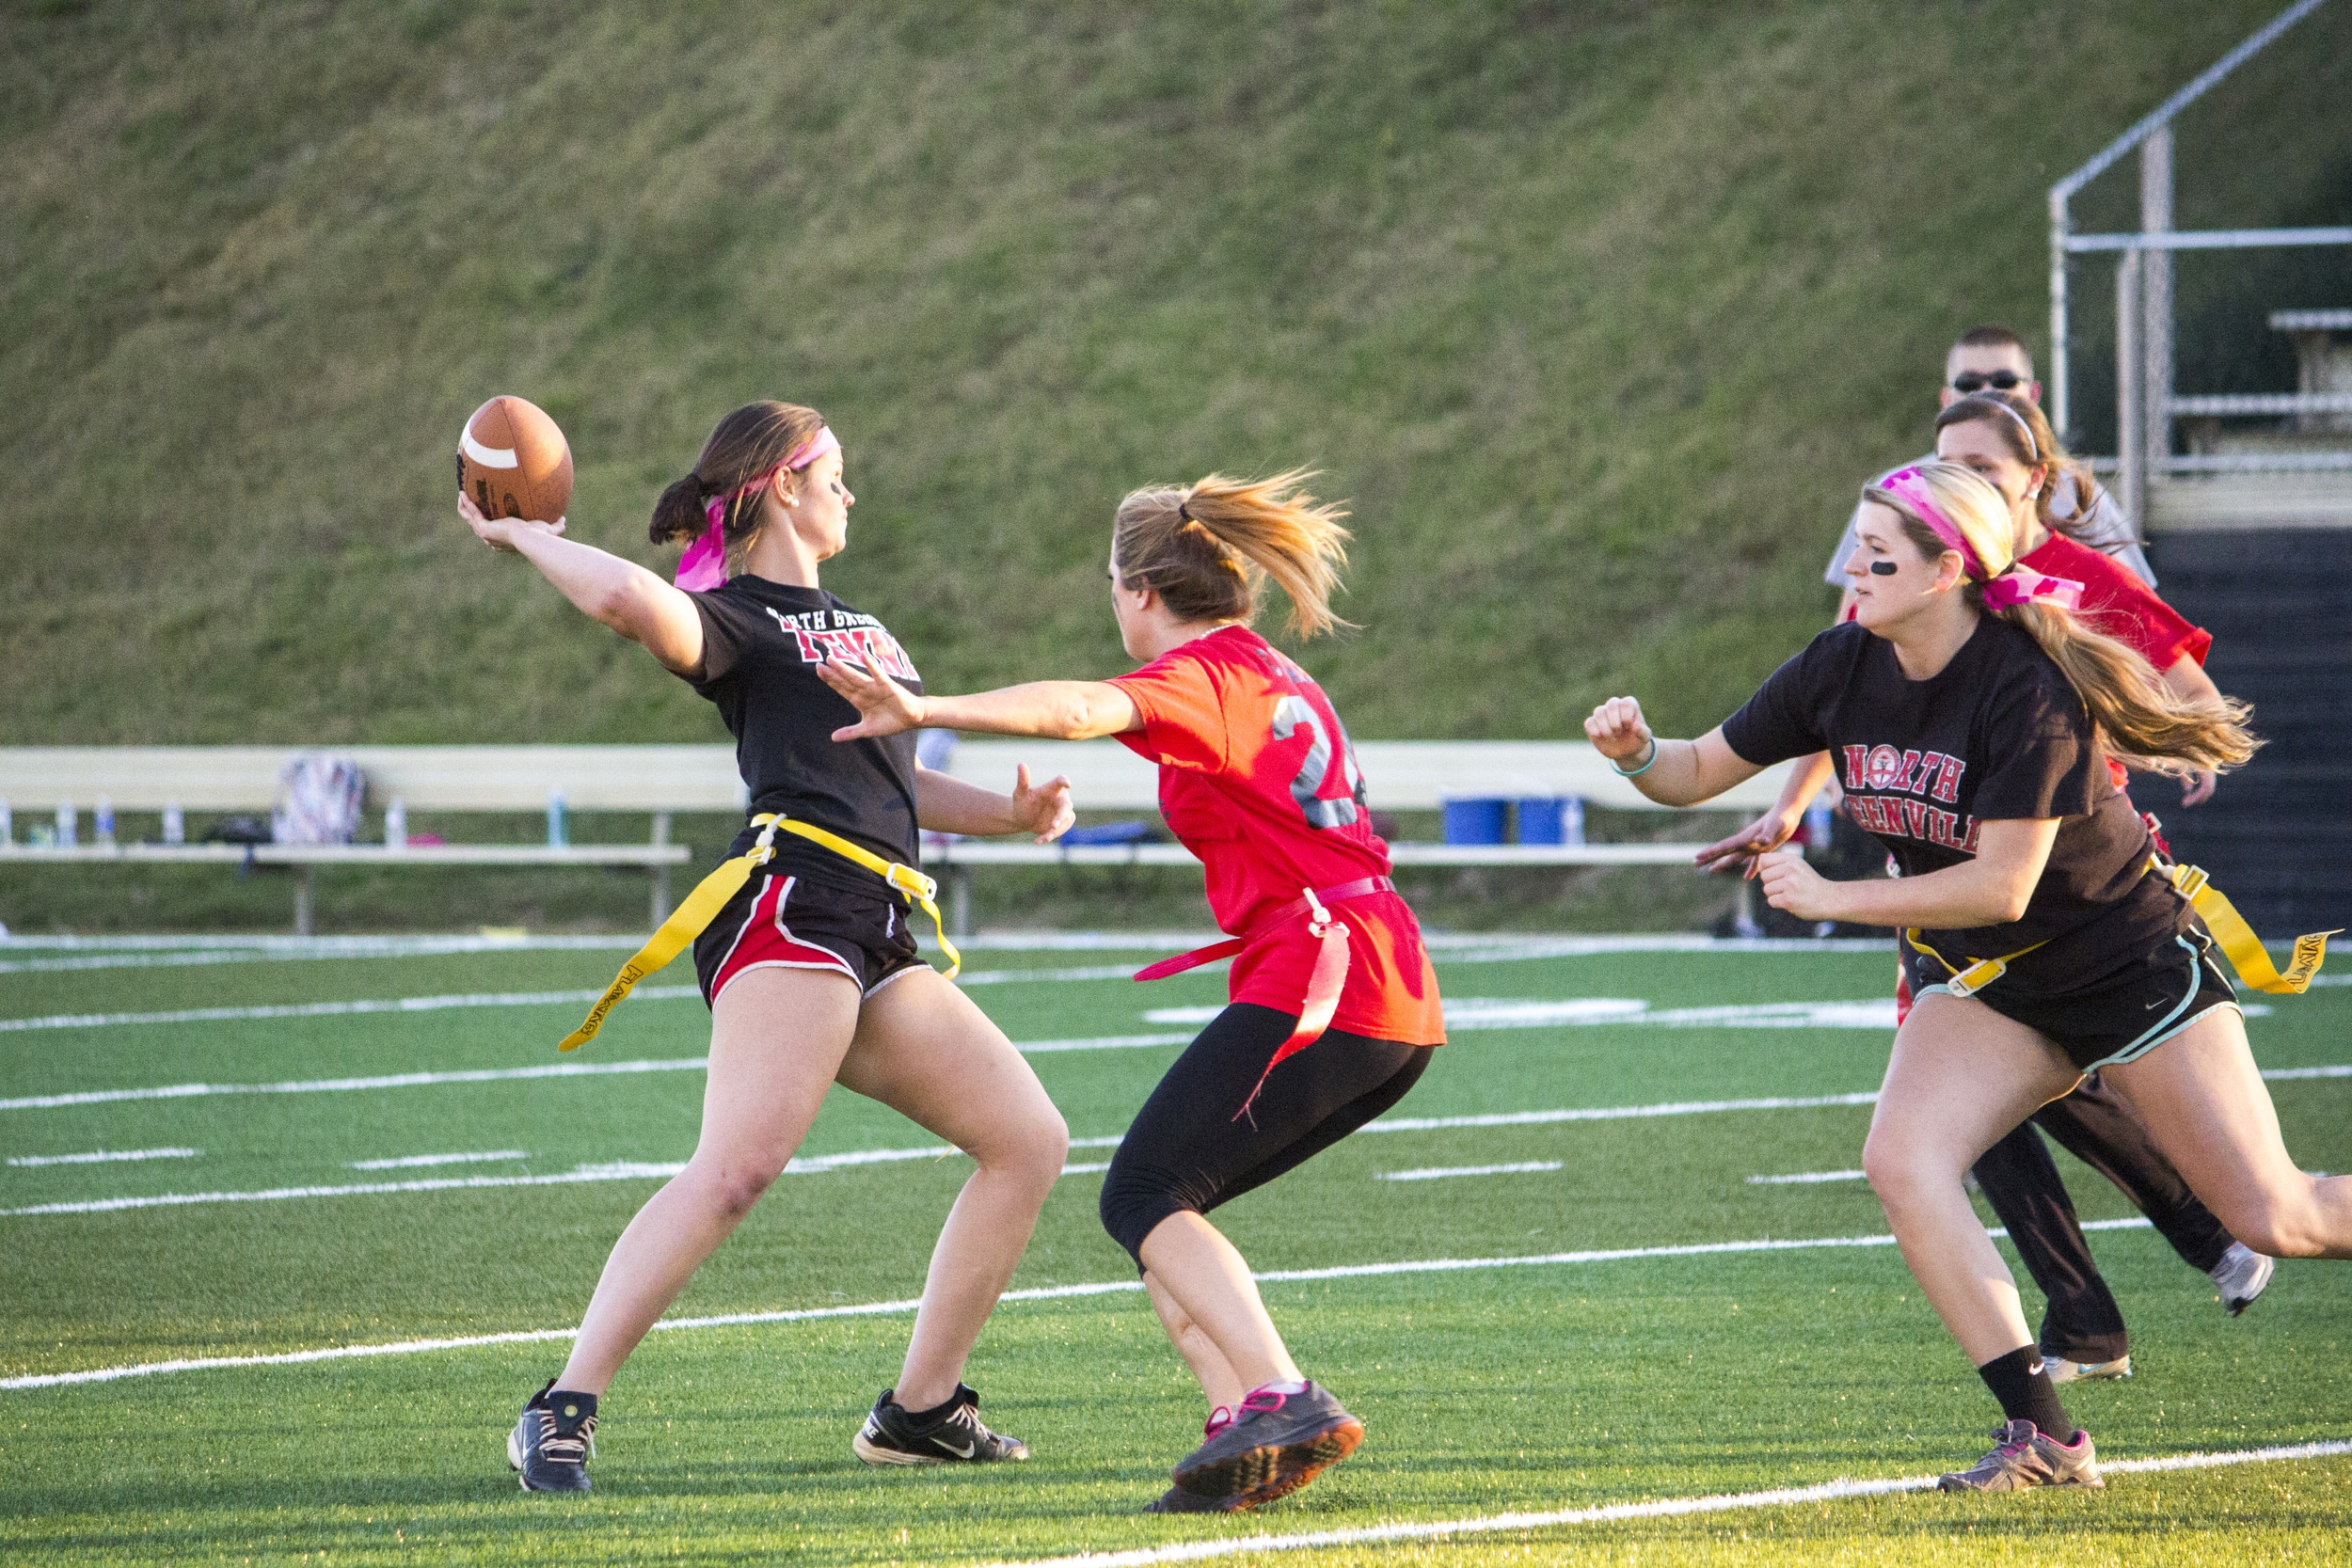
(847, 636)
(1878, 778)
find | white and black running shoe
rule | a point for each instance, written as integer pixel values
(2064, 1370)
(2242, 1274)
(1274, 1444)
(551, 1445)
(2023, 1457)
(952, 1436)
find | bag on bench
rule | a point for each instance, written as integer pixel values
(318, 800)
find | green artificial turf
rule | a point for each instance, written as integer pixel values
(1528, 1388)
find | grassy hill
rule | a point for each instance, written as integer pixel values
(1596, 312)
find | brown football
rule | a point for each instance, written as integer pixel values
(513, 460)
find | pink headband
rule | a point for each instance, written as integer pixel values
(704, 566)
(2016, 584)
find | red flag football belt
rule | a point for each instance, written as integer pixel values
(1323, 986)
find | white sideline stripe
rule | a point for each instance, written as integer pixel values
(338, 1009)
(1433, 1173)
(689, 1064)
(1048, 1293)
(1617, 1113)
(340, 1086)
(1805, 1177)
(605, 1170)
(104, 1156)
(410, 1162)
(1658, 1508)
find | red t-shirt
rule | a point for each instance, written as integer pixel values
(2118, 603)
(1257, 778)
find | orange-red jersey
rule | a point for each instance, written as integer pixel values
(1257, 779)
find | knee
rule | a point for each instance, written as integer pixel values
(1033, 1146)
(732, 1190)
(1900, 1171)
(2279, 1224)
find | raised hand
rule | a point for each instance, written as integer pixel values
(885, 707)
(500, 534)
(1790, 884)
(1043, 809)
(1740, 852)
(1618, 731)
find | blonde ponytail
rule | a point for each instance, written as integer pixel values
(2140, 720)
(1207, 548)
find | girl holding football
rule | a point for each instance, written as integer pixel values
(809, 969)
(1333, 1009)
(1972, 717)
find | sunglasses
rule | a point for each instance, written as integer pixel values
(1977, 381)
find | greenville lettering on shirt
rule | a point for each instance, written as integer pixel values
(846, 635)
(1892, 792)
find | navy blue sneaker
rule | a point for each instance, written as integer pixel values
(1276, 1444)
(954, 1435)
(551, 1445)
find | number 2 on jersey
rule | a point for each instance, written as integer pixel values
(1315, 767)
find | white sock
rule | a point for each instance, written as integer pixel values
(1282, 1385)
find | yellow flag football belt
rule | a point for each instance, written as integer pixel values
(703, 905)
(2238, 942)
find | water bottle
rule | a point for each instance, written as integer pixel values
(175, 824)
(69, 825)
(396, 824)
(8, 825)
(1817, 829)
(102, 822)
(557, 839)
(1572, 819)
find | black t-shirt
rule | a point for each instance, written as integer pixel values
(1996, 735)
(762, 643)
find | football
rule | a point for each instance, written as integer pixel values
(513, 460)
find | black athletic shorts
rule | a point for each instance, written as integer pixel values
(1190, 1149)
(796, 914)
(2123, 1013)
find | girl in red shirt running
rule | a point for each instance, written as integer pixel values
(1333, 1007)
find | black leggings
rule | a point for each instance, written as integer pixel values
(1188, 1151)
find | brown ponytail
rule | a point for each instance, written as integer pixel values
(1205, 549)
(746, 444)
(2139, 719)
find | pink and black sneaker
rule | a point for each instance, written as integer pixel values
(1274, 1444)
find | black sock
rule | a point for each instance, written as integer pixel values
(2025, 1392)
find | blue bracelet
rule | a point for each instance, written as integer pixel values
(1637, 773)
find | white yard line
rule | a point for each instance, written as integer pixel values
(1437, 1173)
(1660, 1508)
(412, 1162)
(1805, 1178)
(104, 1156)
(339, 1009)
(345, 1086)
(1050, 1292)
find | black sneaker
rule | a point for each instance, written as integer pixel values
(1276, 1444)
(952, 1436)
(553, 1442)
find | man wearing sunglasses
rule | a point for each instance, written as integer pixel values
(1994, 359)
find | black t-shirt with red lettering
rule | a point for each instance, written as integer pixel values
(762, 643)
(1996, 735)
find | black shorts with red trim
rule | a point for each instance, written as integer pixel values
(793, 916)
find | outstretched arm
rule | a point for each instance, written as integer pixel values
(1992, 888)
(1775, 827)
(1671, 772)
(621, 593)
(1053, 710)
(947, 805)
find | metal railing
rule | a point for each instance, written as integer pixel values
(2146, 403)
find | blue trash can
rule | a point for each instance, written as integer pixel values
(1476, 820)
(1551, 819)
